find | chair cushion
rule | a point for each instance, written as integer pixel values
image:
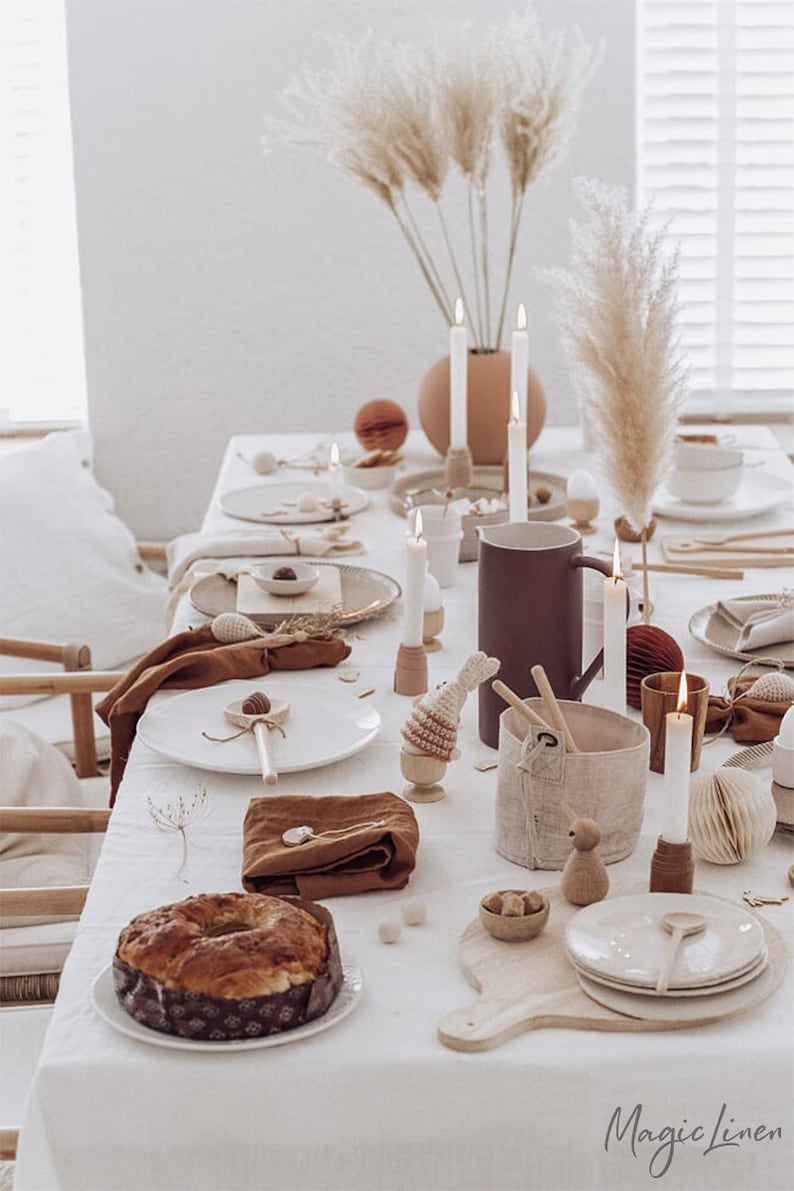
(51, 719)
(69, 568)
(36, 774)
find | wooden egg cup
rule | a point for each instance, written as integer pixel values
(432, 625)
(458, 467)
(583, 513)
(424, 774)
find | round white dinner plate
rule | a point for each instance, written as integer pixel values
(713, 630)
(277, 504)
(107, 1005)
(623, 939)
(677, 1010)
(701, 990)
(757, 493)
(323, 726)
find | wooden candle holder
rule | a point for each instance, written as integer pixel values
(410, 672)
(458, 468)
(672, 868)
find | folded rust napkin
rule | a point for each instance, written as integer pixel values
(750, 720)
(195, 659)
(359, 860)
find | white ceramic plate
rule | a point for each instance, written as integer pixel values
(676, 1010)
(277, 504)
(107, 1005)
(706, 626)
(757, 494)
(623, 939)
(702, 990)
(323, 726)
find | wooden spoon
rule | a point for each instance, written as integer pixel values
(680, 924)
(260, 725)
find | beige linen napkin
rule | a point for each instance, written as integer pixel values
(758, 622)
(356, 860)
(240, 546)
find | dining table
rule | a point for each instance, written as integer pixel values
(374, 1100)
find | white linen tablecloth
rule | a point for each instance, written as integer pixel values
(377, 1102)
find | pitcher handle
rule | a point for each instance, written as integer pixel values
(580, 685)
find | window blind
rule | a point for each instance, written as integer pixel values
(42, 373)
(716, 158)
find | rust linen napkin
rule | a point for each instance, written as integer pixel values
(195, 659)
(750, 721)
(367, 858)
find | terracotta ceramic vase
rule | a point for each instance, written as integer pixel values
(488, 405)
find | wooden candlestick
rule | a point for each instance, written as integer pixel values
(410, 672)
(672, 868)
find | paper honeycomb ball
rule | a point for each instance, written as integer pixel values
(381, 424)
(732, 815)
(649, 650)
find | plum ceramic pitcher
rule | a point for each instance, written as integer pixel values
(530, 612)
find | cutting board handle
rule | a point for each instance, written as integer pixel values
(487, 1022)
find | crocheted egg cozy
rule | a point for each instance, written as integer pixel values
(433, 724)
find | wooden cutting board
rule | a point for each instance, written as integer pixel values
(532, 985)
(732, 555)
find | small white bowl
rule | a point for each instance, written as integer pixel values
(704, 456)
(371, 478)
(305, 578)
(699, 487)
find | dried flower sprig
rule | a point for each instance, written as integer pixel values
(178, 816)
(616, 309)
(396, 120)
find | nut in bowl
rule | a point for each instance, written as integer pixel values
(376, 469)
(286, 579)
(514, 915)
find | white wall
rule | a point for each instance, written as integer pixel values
(225, 291)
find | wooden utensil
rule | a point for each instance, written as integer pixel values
(695, 543)
(681, 925)
(555, 711)
(509, 696)
(260, 725)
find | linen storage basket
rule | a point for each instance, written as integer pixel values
(538, 781)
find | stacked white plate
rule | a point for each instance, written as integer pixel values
(619, 947)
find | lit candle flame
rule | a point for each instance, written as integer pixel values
(683, 694)
(334, 459)
(521, 317)
(418, 524)
(458, 312)
(617, 569)
(515, 411)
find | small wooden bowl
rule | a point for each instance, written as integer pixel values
(514, 929)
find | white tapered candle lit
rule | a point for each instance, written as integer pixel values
(517, 463)
(334, 473)
(615, 637)
(519, 362)
(677, 763)
(458, 363)
(414, 596)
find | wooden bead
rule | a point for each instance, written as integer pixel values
(389, 930)
(414, 913)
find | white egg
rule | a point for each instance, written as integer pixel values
(307, 502)
(264, 463)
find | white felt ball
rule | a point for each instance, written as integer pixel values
(264, 463)
(389, 930)
(307, 502)
(414, 913)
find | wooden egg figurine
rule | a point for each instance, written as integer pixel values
(584, 879)
(382, 424)
(732, 815)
